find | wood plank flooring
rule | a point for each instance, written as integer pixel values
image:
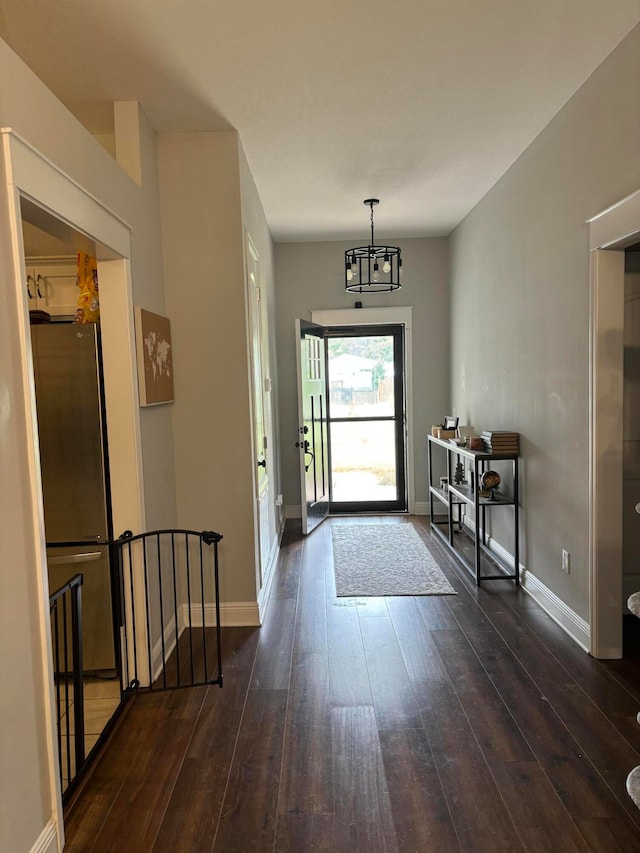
(454, 723)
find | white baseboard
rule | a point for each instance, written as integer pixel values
(157, 660)
(263, 595)
(233, 614)
(293, 511)
(575, 626)
(47, 841)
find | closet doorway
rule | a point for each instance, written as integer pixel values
(366, 418)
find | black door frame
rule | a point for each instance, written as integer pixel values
(397, 330)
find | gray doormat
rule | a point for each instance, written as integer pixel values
(384, 559)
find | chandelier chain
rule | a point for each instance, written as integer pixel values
(373, 242)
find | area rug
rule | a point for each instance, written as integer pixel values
(384, 559)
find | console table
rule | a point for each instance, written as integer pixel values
(456, 498)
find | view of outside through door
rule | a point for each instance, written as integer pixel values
(365, 414)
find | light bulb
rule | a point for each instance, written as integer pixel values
(354, 265)
(349, 274)
(386, 266)
(376, 274)
(400, 269)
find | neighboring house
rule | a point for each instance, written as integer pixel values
(352, 372)
(501, 336)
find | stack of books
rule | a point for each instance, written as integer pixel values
(501, 441)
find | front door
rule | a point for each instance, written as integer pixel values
(312, 440)
(365, 369)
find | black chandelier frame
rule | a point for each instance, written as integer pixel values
(365, 265)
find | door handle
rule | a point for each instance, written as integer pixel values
(307, 452)
(262, 463)
(74, 558)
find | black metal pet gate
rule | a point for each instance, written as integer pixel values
(65, 613)
(166, 627)
(169, 609)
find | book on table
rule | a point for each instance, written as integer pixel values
(501, 441)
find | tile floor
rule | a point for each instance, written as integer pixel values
(101, 698)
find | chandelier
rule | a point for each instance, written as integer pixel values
(372, 269)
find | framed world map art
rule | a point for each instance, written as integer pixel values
(155, 358)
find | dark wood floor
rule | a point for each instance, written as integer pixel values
(458, 723)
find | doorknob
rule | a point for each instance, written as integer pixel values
(638, 507)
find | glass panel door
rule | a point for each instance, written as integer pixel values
(365, 371)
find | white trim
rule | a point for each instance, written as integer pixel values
(571, 623)
(253, 332)
(292, 511)
(35, 485)
(365, 316)
(265, 591)
(420, 508)
(612, 229)
(47, 185)
(575, 626)
(617, 225)
(401, 315)
(157, 660)
(47, 841)
(606, 426)
(233, 614)
(31, 175)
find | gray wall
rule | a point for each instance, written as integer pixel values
(310, 276)
(203, 250)
(520, 308)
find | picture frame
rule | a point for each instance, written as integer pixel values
(450, 422)
(466, 431)
(154, 357)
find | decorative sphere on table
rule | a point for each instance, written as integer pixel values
(490, 480)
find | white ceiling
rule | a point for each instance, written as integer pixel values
(423, 103)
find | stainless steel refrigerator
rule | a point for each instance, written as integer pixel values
(74, 475)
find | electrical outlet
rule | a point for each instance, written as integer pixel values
(566, 561)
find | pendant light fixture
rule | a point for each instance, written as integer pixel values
(372, 269)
